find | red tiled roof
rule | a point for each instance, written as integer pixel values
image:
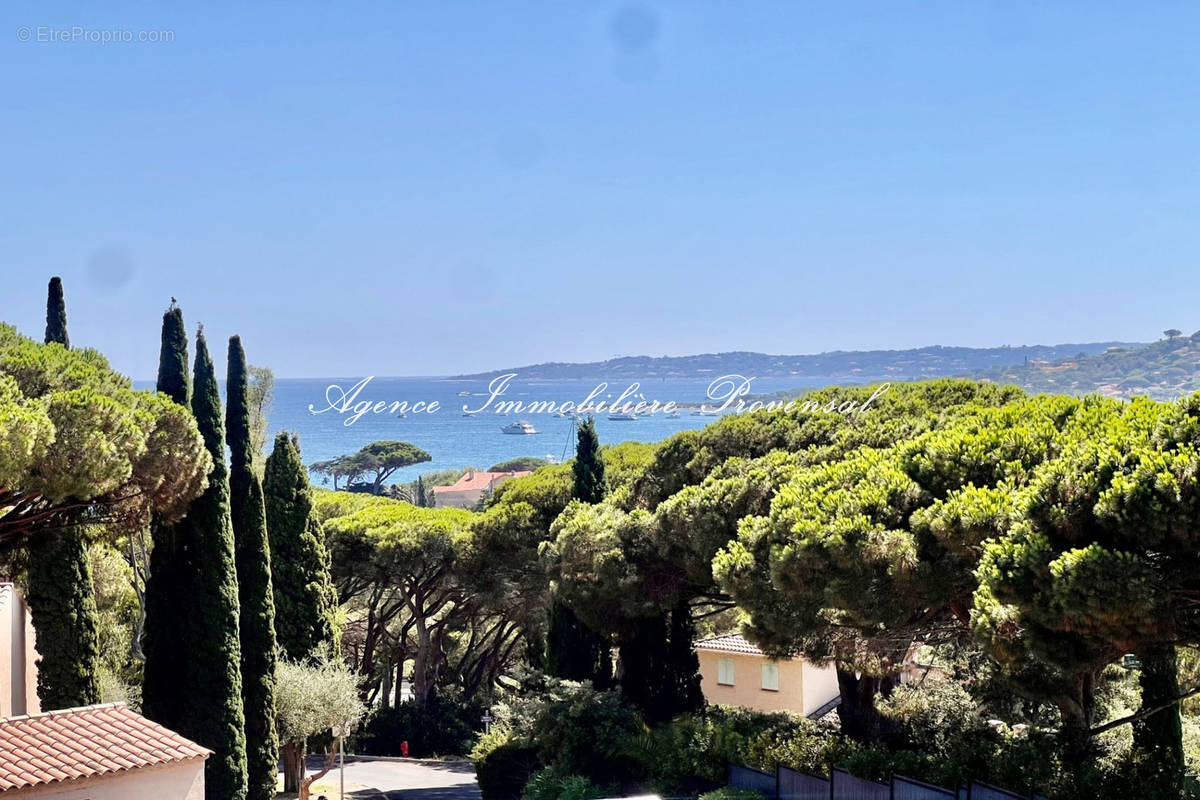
(84, 743)
(480, 480)
(729, 643)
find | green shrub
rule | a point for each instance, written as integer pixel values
(730, 793)
(576, 729)
(503, 772)
(550, 784)
(442, 727)
(696, 747)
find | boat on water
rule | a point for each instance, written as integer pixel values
(672, 415)
(623, 416)
(464, 393)
(521, 427)
(468, 413)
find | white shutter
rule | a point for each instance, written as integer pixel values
(725, 671)
(770, 676)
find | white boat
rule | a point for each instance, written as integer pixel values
(521, 427)
(468, 413)
(623, 416)
(673, 415)
(464, 393)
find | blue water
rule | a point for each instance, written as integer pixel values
(455, 441)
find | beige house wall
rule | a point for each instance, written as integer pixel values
(180, 781)
(467, 498)
(18, 658)
(803, 687)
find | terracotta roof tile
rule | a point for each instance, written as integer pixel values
(729, 643)
(472, 481)
(83, 743)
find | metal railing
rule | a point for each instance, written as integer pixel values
(788, 784)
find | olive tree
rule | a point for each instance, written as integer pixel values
(312, 697)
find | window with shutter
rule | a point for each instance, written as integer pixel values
(770, 676)
(725, 671)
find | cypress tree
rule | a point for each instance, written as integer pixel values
(590, 484)
(573, 650)
(305, 600)
(212, 677)
(61, 597)
(164, 638)
(56, 314)
(255, 595)
(63, 610)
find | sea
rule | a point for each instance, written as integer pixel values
(456, 441)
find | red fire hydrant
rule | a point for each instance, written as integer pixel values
(404, 749)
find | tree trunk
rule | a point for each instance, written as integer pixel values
(330, 760)
(1158, 738)
(400, 678)
(859, 717)
(293, 766)
(421, 683)
(385, 691)
(1077, 711)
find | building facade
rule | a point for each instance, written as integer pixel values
(471, 488)
(734, 672)
(105, 752)
(18, 658)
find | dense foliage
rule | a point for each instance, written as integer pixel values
(255, 593)
(442, 726)
(165, 640)
(63, 611)
(519, 464)
(60, 594)
(211, 683)
(305, 599)
(1027, 545)
(573, 650)
(76, 440)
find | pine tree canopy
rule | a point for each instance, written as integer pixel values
(76, 437)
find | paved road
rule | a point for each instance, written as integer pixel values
(406, 780)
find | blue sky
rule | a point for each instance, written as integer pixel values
(428, 188)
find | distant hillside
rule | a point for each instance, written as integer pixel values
(1163, 370)
(924, 362)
